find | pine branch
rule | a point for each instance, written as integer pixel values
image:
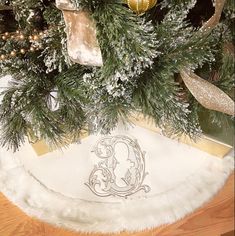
(160, 98)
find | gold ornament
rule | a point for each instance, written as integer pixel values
(141, 6)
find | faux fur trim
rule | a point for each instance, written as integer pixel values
(36, 200)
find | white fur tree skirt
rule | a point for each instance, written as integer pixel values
(132, 180)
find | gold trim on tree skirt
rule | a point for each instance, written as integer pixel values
(204, 143)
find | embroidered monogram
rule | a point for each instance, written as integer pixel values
(121, 172)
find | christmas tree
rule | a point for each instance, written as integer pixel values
(89, 64)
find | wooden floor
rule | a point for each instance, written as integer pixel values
(214, 219)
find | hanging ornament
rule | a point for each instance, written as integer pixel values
(82, 43)
(141, 6)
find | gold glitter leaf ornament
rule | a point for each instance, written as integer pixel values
(141, 6)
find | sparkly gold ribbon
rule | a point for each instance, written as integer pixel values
(207, 94)
(82, 43)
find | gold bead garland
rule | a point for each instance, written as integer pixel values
(31, 49)
(18, 35)
(21, 37)
(2, 57)
(22, 51)
(35, 38)
(13, 53)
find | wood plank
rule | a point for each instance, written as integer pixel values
(215, 218)
(232, 233)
